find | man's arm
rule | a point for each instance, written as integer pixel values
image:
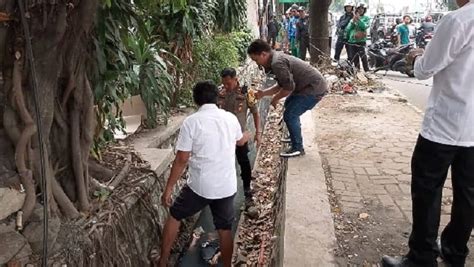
(280, 95)
(363, 23)
(448, 41)
(246, 136)
(268, 92)
(179, 164)
(256, 121)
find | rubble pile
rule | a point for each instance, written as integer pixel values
(341, 80)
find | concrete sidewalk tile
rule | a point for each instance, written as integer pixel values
(373, 190)
(386, 200)
(385, 181)
(404, 205)
(350, 206)
(338, 185)
(350, 193)
(351, 186)
(372, 171)
(392, 172)
(343, 177)
(359, 170)
(406, 188)
(356, 199)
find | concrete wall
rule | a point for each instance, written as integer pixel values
(252, 16)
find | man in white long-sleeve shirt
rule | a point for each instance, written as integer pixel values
(446, 140)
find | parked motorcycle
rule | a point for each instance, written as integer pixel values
(423, 38)
(383, 56)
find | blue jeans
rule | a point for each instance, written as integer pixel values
(295, 106)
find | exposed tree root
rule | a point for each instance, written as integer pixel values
(66, 206)
(88, 123)
(71, 85)
(21, 150)
(77, 161)
(98, 171)
(123, 173)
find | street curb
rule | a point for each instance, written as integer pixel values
(415, 108)
(310, 238)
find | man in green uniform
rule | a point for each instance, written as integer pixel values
(356, 33)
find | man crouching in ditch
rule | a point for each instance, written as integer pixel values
(207, 142)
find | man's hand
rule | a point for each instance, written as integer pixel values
(275, 102)
(258, 139)
(246, 136)
(166, 199)
(259, 94)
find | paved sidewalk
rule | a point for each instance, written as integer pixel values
(366, 143)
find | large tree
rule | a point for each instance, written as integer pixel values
(60, 35)
(319, 35)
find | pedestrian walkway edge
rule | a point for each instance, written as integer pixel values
(309, 228)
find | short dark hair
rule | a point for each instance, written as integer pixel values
(228, 72)
(406, 16)
(205, 92)
(258, 46)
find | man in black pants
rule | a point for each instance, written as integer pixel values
(446, 140)
(341, 30)
(302, 33)
(273, 29)
(234, 98)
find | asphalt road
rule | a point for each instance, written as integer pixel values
(415, 90)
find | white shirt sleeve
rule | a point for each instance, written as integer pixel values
(446, 45)
(185, 140)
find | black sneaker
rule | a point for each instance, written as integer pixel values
(292, 153)
(248, 193)
(286, 140)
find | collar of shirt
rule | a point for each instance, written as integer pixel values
(236, 89)
(208, 107)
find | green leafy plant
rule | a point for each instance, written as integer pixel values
(129, 60)
(242, 40)
(212, 54)
(231, 15)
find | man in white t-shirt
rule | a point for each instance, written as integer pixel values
(207, 142)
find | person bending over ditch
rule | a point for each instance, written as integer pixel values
(302, 84)
(207, 142)
(234, 98)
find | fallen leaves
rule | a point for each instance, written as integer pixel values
(257, 233)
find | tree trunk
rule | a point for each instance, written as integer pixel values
(319, 33)
(60, 35)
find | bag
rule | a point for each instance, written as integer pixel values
(360, 35)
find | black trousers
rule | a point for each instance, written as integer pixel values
(272, 40)
(241, 152)
(304, 47)
(357, 53)
(430, 164)
(340, 43)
